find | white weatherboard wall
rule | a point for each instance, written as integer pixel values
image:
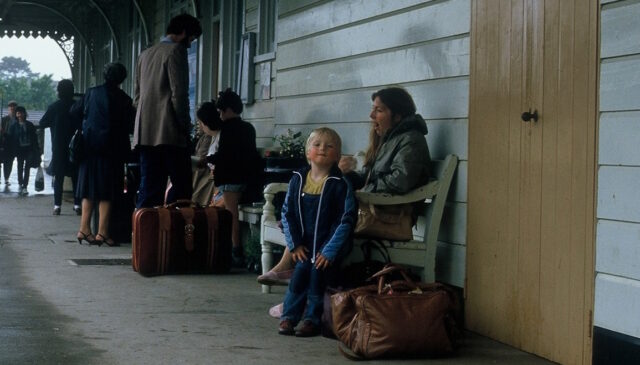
(261, 112)
(330, 57)
(617, 294)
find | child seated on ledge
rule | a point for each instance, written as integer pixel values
(318, 217)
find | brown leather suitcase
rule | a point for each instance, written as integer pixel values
(181, 238)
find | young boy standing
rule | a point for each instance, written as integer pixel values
(318, 217)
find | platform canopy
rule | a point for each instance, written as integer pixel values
(92, 24)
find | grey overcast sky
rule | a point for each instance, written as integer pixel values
(43, 55)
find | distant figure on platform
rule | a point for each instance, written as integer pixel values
(23, 143)
(163, 124)
(6, 155)
(62, 125)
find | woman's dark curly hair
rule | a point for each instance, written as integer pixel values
(229, 99)
(209, 115)
(114, 73)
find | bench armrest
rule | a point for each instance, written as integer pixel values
(274, 188)
(421, 194)
(269, 210)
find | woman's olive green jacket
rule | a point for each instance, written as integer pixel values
(402, 162)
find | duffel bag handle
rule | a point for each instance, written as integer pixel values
(180, 203)
(388, 269)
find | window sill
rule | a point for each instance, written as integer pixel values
(264, 57)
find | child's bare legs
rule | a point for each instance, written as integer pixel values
(231, 199)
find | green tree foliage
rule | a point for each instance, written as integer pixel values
(29, 89)
(14, 67)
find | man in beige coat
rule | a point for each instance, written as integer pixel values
(162, 127)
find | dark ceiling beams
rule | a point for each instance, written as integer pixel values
(4, 8)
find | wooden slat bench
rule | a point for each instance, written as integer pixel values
(419, 253)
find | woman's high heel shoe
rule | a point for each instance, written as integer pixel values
(106, 240)
(86, 237)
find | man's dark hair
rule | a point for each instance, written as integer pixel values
(65, 89)
(209, 115)
(114, 73)
(187, 23)
(229, 99)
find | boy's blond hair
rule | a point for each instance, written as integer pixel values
(324, 131)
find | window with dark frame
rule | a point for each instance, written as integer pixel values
(267, 26)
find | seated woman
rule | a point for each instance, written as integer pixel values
(397, 159)
(209, 123)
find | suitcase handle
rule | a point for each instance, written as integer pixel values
(180, 203)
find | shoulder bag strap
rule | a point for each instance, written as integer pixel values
(380, 247)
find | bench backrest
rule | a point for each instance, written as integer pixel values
(428, 225)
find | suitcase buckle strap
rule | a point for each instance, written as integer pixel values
(189, 228)
(188, 236)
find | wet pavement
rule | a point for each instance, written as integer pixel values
(32, 325)
(54, 310)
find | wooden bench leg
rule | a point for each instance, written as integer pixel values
(267, 262)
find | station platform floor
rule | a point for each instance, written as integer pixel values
(65, 303)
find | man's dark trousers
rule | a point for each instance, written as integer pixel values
(156, 164)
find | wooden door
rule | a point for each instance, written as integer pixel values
(530, 256)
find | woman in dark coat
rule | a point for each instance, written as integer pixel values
(107, 120)
(23, 143)
(62, 127)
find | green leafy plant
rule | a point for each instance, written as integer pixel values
(291, 144)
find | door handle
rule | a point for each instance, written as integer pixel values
(527, 116)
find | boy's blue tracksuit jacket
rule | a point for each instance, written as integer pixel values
(335, 221)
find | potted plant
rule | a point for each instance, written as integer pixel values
(291, 152)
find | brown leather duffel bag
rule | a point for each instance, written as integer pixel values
(397, 319)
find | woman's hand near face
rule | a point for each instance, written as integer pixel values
(347, 164)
